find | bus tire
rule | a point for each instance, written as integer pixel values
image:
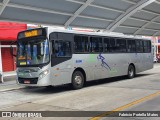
(49, 87)
(131, 71)
(77, 80)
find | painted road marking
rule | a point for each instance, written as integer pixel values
(126, 106)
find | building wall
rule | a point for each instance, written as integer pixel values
(8, 34)
(8, 61)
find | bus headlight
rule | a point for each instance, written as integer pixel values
(43, 74)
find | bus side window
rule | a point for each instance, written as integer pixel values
(67, 48)
(81, 44)
(112, 45)
(120, 45)
(149, 46)
(106, 44)
(58, 49)
(63, 49)
(96, 44)
(131, 46)
(139, 46)
(53, 48)
(145, 46)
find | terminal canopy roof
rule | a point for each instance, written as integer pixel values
(136, 17)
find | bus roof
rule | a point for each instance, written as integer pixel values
(51, 30)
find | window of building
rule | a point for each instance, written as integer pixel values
(81, 44)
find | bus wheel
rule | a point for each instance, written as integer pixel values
(49, 87)
(131, 71)
(77, 80)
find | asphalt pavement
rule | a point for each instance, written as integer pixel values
(115, 94)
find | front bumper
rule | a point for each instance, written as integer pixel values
(34, 81)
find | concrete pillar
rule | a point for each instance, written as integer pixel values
(1, 72)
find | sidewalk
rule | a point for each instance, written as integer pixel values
(9, 74)
(9, 85)
(9, 82)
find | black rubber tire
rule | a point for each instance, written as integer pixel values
(131, 72)
(80, 80)
(49, 87)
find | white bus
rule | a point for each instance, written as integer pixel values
(50, 58)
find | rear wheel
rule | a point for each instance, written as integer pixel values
(131, 71)
(77, 80)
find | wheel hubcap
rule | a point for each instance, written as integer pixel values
(131, 72)
(78, 80)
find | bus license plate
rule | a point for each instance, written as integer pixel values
(27, 82)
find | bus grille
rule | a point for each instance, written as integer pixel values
(31, 80)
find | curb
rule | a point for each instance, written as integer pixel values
(10, 89)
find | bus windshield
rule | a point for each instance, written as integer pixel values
(32, 52)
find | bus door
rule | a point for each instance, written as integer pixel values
(61, 54)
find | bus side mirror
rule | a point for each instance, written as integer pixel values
(11, 49)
